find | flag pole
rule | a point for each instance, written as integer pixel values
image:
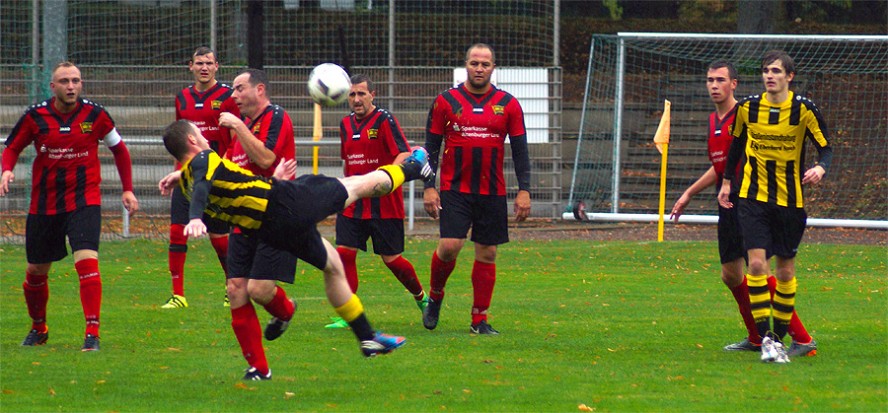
(661, 140)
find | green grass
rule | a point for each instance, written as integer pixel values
(618, 326)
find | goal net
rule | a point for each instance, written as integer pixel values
(617, 168)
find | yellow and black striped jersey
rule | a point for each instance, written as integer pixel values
(770, 142)
(224, 190)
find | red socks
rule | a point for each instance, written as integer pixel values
(249, 335)
(483, 280)
(178, 251)
(220, 244)
(280, 306)
(440, 273)
(36, 291)
(90, 292)
(406, 274)
(349, 262)
(741, 295)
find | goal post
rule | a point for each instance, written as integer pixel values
(616, 167)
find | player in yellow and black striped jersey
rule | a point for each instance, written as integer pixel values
(283, 213)
(224, 190)
(770, 132)
(773, 140)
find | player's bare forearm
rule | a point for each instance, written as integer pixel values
(724, 195)
(706, 180)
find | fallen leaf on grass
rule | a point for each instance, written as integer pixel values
(584, 408)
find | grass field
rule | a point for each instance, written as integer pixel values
(617, 326)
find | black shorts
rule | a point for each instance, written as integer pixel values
(45, 234)
(387, 234)
(730, 242)
(179, 207)
(486, 215)
(295, 208)
(777, 229)
(251, 257)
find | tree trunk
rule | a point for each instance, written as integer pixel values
(758, 16)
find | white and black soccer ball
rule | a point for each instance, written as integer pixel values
(329, 84)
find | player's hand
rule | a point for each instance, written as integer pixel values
(814, 175)
(522, 206)
(679, 207)
(285, 170)
(195, 228)
(431, 201)
(724, 195)
(227, 120)
(5, 180)
(168, 182)
(130, 202)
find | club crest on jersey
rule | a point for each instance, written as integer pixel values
(372, 133)
(257, 128)
(216, 104)
(86, 127)
(498, 110)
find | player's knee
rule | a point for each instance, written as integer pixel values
(80, 255)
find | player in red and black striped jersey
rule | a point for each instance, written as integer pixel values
(65, 196)
(473, 120)
(263, 139)
(201, 103)
(721, 81)
(372, 137)
(770, 131)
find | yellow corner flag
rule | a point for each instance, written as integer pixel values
(661, 140)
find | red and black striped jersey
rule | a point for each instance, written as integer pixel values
(368, 144)
(474, 129)
(203, 109)
(66, 171)
(274, 128)
(719, 142)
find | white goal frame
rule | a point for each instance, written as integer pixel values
(614, 214)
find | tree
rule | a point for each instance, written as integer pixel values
(759, 16)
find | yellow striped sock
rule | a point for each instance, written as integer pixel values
(784, 300)
(759, 297)
(351, 310)
(396, 173)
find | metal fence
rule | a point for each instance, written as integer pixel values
(133, 58)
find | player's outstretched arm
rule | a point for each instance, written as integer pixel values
(705, 181)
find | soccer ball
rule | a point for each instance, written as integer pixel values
(328, 84)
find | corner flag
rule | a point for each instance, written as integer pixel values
(661, 139)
